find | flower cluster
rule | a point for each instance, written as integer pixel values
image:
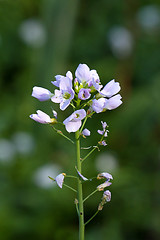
(85, 94)
(106, 194)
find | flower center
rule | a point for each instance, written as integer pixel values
(66, 95)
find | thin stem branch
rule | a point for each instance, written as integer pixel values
(83, 124)
(74, 190)
(92, 217)
(70, 176)
(94, 148)
(76, 203)
(60, 132)
(90, 195)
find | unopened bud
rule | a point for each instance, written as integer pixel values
(53, 121)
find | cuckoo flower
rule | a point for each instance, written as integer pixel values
(103, 185)
(83, 178)
(86, 132)
(65, 95)
(41, 94)
(107, 195)
(103, 175)
(99, 105)
(42, 117)
(113, 102)
(84, 94)
(105, 198)
(110, 89)
(95, 81)
(82, 73)
(87, 77)
(104, 131)
(60, 179)
(60, 77)
(73, 122)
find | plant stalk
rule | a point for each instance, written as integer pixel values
(80, 191)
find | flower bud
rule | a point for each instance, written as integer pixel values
(103, 185)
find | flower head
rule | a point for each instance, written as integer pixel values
(106, 175)
(60, 77)
(60, 179)
(84, 94)
(86, 132)
(87, 77)
(113, 102)
(99, 105)
(103, 142)
(42, 117)
(103, 132)
(83, 178)
(41, 94)
(82, 73)
(103, 185)
(105, 198)
(65, 94)
(110, 89)
(73, 122)
(107, 195)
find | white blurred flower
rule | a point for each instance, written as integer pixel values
(40, 176)
(121, 42)
(7, 150)
(24, 142)
(148, 18)
(106, 161)
(33, 33)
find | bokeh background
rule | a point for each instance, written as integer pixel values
(40, 39)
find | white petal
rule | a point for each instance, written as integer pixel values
(46, 118)
(73, 126)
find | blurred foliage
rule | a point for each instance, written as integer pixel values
(40, 39)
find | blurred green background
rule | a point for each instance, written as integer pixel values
(40, 39)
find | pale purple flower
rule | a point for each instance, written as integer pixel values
(103, 142)
(88, 77)
(41, 117)
(86, 132)
(95, 81)
(60, 77)
(107, 195)
(60, 179)
(99, 105)
(103, 185)
(41, 94)
(54, 113)
(113, 102)
(73, 122)
(65, 95)
(82, 73)
(110, 89)
(84, 93)
(103, 175)
(83, 178)
(104, 131)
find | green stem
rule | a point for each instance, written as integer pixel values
(74, 190)
(59, 132)
(70, 176)
(80, 191)
(91, 217)
(88, 154)
(90, 195)
(83, 123)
